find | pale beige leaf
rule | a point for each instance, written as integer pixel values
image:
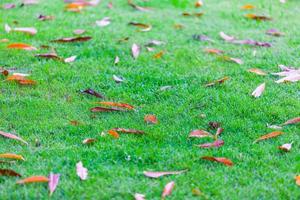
(159, 174)
(82, 172)
(135, 50)
(259, 90)
(168, 189)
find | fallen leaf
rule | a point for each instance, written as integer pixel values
(258, 17)
(219, 81)
(75, 7)
(81, 171)
(125, 130)
(269, 135)
(216, 144)
(53, 182)
(292, 121)
(200, 133)
(259, 90)
(274, 127)
(159, 174)
(199, 4)
(143, 27)
(274, 32)
(298, 180)
(30, 2)
(158, 55)
(218, 132)
(213, 51)
(11, 136)
(29, 30)
(21, 46)
(49, 56)
(291, 78)
(33, 179)
(235, 60)
(45, 17)
(153, 43)
(138, 196)
(117, 60)
(89, 141)
(226, 37)
(222, 160)
(186, 14)
(93, 93)
(103, 109)
(118, 79)
(139, 8)
(125, 39)
(202, 38)
(178, 26)
(135, 50)
(214, 125)
(11, 156)
(114, 133)
(168, 189)
(79, 31)
(285, 147)
(103, 22)
(115, 104)
(257, 71)
(8, 6)
(72, 39)
(70, 59)
(248, 7)
(150, 119)
(232, 39)
(9, 172)
(27, 82)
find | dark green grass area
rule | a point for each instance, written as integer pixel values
(43, 112)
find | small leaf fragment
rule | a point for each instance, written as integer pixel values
(257, 71)
(168, 189)
(135, 50)
(150, 119)
(9, 172)
(81, 171)
(259, 90)
(89, 141)
(222, 160)
(215, 144)
(200, 133)
(285, 147)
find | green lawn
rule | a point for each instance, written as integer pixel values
(43, 112)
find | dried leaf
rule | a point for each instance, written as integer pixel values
(200, 133)
(11, 156)
(257, 71)
(186, 14)
(258, 17)
(235, 60)
(103, 22)
(158, 55)
(143, 27)
(117, 60)
(290, 78)
(115, 104)
(79, 31)
(274, 32)
(81, 171)
(49, 56)
(93, 93)
(139, 8)
(118, 79)
(248, 7)
(114, 133)
(89, 141)
(285, 147)
(220, 81)
(214, 125)
(269, 135)
(72, 39)
(199, 4)
(218, 132)
(216, 144)
(30, 30)
(259, 90)
(202, 38)
(292, 121)
(135, 50)
(34, 179)
(298, 180)
(222, 160)
(159, 174)
(11, 136)
(8, 6)
(70, 59)
(150, 119)
(124, 130)
(75, 7)
(9, 172)
(276, 127)
(213, 51)
(138, 196)
(53, 182)
(168, 189)
(27, 82)
(153, 43)
(45, 17)
(226, 37)
(21, 46)
(103, 109)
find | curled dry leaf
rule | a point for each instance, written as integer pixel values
(81, 171)
(103, 22)
(257, 71)
(115, 104)
(125, 130)
(159, 174)
(150, 119)
(168, 189)
(139, 8)
(292, 121)
(259, 90)
(269, 135)
(11, 136)
(93, 93)
(258, 17)
(290, 78)
(200, 133)
(118, 79)
(219, 81)
(9, 172)
(143, 27)
(11, 156)
(21, 46)
(135, 50)
(33, 179)
(72, 39)
(248, 7)
(53, 182)
(138, 196)
(285, 147)
(222, 160)
(70, 59)
(21, 79)
(89, 141)
(216, 144)
(199, 4)
(274, 32)
(114, 133)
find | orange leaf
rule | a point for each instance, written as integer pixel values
(151, 119)
(12, 156)
(213, 51)
(247, 7)
(270, 135)
(27, 82)
(258, 17)
(21, 46)
(114, 133)
(33, 179)
(115, 104)
(297, 180)
(222, 160)
(199, 3)
(159, 55)
(16, 78)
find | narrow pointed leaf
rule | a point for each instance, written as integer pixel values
(222, 160)
(11, 136)
(269, 135)
(33, 179)
(159, 174)
(53, 182)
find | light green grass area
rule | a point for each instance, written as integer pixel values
(43, 112)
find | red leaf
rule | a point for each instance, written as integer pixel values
(222, 160)
(93, 93)
(159, 174)
(217, 143)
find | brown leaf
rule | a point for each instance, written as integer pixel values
(21, 46)
(213, 51)
(45, 17)
(219, 81)
(258, 17)
(257, 71)
(143, 27)
(248, 7)
(269, 135)
(114, 133)
(115, 104)
(135, 50)
(235, 60)
(159, 174)
(198, 3)
(53, 182)
(200, 133)
(274, 32)
(222, 160)
(89, 141)
(81, 171)
(72, 39)
(168, 189)
(159, 55)
(103, 109)
(49, 56)
(93, 93)
(11, 136)
(259, 90)
(285, 147)
(292, 121)
(11, 156)
(9, 172)
(216, 144)
(214, 125)
(150, 119)
(124, 130)
(33, 179)
(186, 14)
(139, 8)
